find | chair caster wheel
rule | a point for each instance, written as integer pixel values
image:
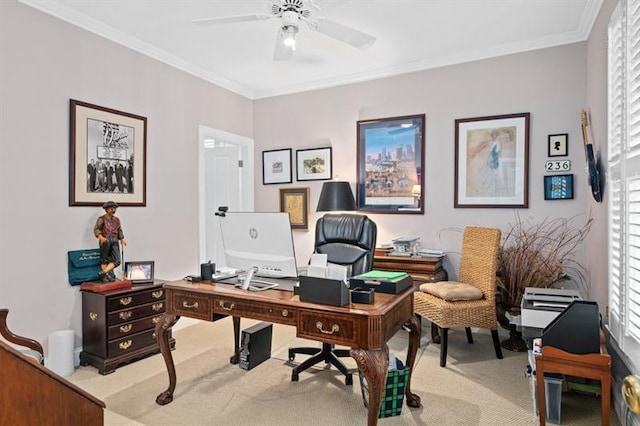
(291, 355)
(294, 377)
(348, 380)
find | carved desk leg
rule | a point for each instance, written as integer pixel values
(162, 331)
(373, 364)
(235, 358)
(414, 326)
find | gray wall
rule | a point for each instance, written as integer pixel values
(548, 83)
(44, 62)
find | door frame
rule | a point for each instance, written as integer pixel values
(246, 145)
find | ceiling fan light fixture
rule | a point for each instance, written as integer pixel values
(289, 36)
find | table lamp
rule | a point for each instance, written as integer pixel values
(336, 196)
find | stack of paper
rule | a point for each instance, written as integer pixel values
(382, 275)
(430, 252)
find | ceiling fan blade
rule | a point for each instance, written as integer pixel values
(231, 19)
(282, 52)
(343, 33)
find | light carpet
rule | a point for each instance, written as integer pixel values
(474, 389)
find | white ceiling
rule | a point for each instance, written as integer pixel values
(411, 35)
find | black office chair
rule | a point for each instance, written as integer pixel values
(348, 240)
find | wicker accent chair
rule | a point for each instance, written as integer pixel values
(478, 263)
(34, 352)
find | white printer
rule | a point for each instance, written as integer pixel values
(540, 306)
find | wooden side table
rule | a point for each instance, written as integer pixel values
(593, 366)
(422, 270)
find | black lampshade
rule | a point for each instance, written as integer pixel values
(336, 196)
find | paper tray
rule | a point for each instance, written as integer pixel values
(381, 286)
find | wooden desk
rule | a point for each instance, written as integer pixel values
(422, 270)
(592, 366)
(364, 328)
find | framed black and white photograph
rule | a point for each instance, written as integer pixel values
(390, 165)
(140, 272)
(492, 161)
(313, 164)
(558, 187)
(559, 145)
(276, 166)
(107, 156)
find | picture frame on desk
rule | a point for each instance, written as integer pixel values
(108, 156)
(390, 165)
(140, 272)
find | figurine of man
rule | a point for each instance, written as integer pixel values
(109, 233)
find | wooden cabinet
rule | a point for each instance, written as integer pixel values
(118, 327)
(422, 269)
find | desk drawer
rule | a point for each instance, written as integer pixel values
(191, 305)
(129, 300)
(255, 310)
(127, 315)
(330, 328)
(125, 329)
(131, 343)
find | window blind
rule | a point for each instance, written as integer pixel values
(623, 176)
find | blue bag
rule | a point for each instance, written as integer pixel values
(84, 265)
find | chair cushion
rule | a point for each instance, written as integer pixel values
(33, 356)
(452, 290)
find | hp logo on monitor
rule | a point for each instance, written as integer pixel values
(253, 233)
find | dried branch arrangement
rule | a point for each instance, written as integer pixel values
(540, 255)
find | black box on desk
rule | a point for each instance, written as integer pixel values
(323, 290)
(255, 346)
(383, 286)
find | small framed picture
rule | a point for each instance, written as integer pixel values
(295, 201)
(139, 272)
(276, 166)
(558, 187)
(558, 145)
(313, 164)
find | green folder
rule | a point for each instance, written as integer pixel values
(382, 275)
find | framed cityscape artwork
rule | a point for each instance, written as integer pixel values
(390, 165)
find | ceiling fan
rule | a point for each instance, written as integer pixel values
(291, 13)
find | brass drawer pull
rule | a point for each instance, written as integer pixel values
(334, 328)
(124, 315)
(285, 313)
(155, 320)
(125, 345)
(126, 328)
(93, 316)
(125, 301)
(157, 294)
(157, 306)
(154, 336)
(186, 305)
(226, 308)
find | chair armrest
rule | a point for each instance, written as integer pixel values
(14, 338)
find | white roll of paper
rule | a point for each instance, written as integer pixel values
(60, 353)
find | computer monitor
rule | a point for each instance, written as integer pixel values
(259, 240)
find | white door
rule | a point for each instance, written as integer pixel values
(226, 179)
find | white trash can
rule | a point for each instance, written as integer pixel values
(60, 353)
